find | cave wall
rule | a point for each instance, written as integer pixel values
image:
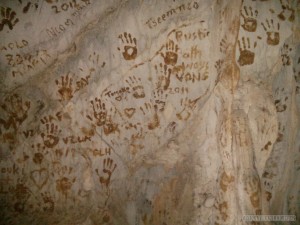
(149, 112)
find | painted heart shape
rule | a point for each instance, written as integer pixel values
(129, 112)
(39, 177)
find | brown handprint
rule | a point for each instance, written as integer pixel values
(297, 79)
(108, 168)
(286, 7)
(188, 107)
(28, 5)
(223, 210)
(164, 74)
(280, 106)
(110, 126)
(250, 22)
(272, 31)
(51, 136)
(281, 131)
(38, 156)
(218, 65)
(8, 18)
(65, 87)
(150, 110)
(297, 76)
(170, 56)
(64, 185)
(16, 111)
(94, 58)
(15, 108)
(48, 202)
(100, 112)
(171, 127)
(103, 116)
(159, 97)
(285, 58)
(129, 49)
(21, 191)
(246, 56)
(19, 206)
(225, 181)
(137, 87)
(225, 45)
(253, 190)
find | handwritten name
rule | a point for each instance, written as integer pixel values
(11, 170)
(100, 152)
(80, 8)
(153, 22)
(194, 71)
(14, 45)
(24, 63)
(119, 93)
(199, 34)
(178, 90)
(56, 31)
(72, 139)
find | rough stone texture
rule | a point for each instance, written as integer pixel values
(149, 112)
